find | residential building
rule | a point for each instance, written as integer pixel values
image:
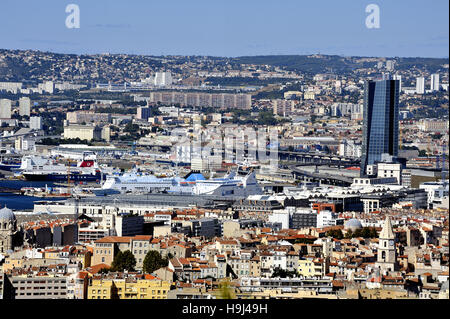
(434, 85)
(35, 123)
(420, 85)
(143, 287)
(24, 106)
(5, 109)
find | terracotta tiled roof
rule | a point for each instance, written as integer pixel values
(114, 239)
(142, 237)
(96, 268)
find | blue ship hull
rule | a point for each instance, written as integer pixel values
(9, 167)
(74, 177)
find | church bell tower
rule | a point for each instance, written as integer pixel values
(387, 255)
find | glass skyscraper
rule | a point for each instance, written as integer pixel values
(380, 128)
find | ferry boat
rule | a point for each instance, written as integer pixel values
(9, 165)
(235, 183)
(135, 183)
(40, 168)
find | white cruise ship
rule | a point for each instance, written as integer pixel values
(233, 184)
(133, 183)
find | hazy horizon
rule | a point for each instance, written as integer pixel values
(229, 57)
(408, 28)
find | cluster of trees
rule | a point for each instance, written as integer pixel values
(153, 261)
(123, 261)
(126, 261)
(303, 63)
(238, 81)
(428, 112)
(134, 132)
(52, 122)
(20, 117)
(225, 291)
(266, 118)
(365, 232)
(117, 110)
(57, 141)
(410, 148)
(431, 65)
(340, 65)
(282, 273)
(272, 95)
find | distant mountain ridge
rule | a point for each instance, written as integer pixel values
(339, 64)
(29, 65)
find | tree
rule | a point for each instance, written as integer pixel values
(349, 234)
(123, 261)
(266, 118)
(335, 233)
(104, 270)
(365, 232)
(131, 128)
(282, 273)
(153, 261)
(373, 232)
(225, 290)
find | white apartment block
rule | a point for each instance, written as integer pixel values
(36, 123)
(434, 84)
(399, 79)
(47, 86)
(433, 125)
(282, 107)
(436, 191)
(420, 85)
(5, 109)
(386, 170)
(327, 218)
(219, 100)
(12, 87)
(163, 79)
(350, 148)
(24, 106)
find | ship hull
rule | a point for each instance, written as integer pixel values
(62, 177)
(9, 167)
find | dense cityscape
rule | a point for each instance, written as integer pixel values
(197, 177)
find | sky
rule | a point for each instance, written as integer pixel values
(408, 28)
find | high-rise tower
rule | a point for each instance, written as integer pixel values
(434, 83)
(420, 85)
(380, 126)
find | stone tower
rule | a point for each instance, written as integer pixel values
(387, 255)
(8, 226)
